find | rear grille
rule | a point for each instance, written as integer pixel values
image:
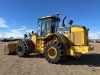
(77, 38)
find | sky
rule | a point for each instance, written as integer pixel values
(18, 17)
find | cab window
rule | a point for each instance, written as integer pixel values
(43, 25)
(55, 23)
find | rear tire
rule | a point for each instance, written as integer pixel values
(58, 55)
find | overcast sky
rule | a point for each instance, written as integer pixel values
(20, 16)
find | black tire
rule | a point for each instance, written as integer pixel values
(60, 52)
(22, 49)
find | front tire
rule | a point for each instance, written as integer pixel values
(22, 49)
(54, 52)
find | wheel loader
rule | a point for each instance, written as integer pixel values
(54, 41)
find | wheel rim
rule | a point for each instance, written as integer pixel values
(52, 52)
(20, 49)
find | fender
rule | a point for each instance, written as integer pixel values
(61, 36)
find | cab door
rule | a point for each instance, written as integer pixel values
(44, 27)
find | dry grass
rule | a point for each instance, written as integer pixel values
(88, 64)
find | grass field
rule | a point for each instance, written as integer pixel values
(87, 64)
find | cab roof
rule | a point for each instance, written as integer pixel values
(50, 17)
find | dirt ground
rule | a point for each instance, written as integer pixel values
(87, 64)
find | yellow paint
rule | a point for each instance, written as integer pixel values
(77, 41)
(49, 35)
(34, 37)
(40, 44)
(52, 52)
(42, 41)
(73, 29)
(67, 36)
(77, 49)
(78, 36)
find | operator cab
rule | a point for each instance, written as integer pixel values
(48, 24)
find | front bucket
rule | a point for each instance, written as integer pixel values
(10, 48)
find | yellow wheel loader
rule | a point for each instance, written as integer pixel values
(54, 41)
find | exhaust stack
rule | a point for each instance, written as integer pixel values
(63, 24)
